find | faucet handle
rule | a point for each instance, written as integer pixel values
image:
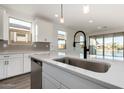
(87, 49)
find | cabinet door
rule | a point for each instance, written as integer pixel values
(70, 80)
(14, 66)
(27, 63)
(1, 24)
(44, 31)
(2, 69)
(49, 83)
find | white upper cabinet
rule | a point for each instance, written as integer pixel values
(3, 24)
(43, 31)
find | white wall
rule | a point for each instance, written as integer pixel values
(70, 34)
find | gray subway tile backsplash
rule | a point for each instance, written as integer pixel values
(36, 46)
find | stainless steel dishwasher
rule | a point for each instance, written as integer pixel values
(36, 74)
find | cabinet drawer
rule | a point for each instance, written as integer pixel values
(70, 80)
(1, 57)
(6, 56)
(15, 55)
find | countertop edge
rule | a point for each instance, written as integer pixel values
(100, 82)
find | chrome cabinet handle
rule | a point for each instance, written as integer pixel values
(6, 56)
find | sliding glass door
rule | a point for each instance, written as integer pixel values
(99, 47)
(93, 46)
(108, 44)
(118, 47)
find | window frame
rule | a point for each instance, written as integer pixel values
(29, 32)
(65, 36)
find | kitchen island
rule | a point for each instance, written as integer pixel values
(58, 75)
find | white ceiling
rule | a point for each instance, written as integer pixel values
(108, 15)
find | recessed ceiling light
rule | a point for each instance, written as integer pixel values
(90, 21)
(56, 15)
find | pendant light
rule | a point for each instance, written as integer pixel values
(61, 18)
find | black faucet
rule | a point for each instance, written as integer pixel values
(85, 45)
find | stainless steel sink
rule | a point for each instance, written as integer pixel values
(93, 66)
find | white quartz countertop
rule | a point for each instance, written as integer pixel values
(114, 76)
(22, 52)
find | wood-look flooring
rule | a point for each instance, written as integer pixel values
(18, 82)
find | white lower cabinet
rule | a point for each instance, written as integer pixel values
(27, 63)
(11, 65)
(2, 69)
(49, 83)
(15, 67)
(68, 80)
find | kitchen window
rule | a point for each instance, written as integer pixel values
(61, 40)
(19, 32)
